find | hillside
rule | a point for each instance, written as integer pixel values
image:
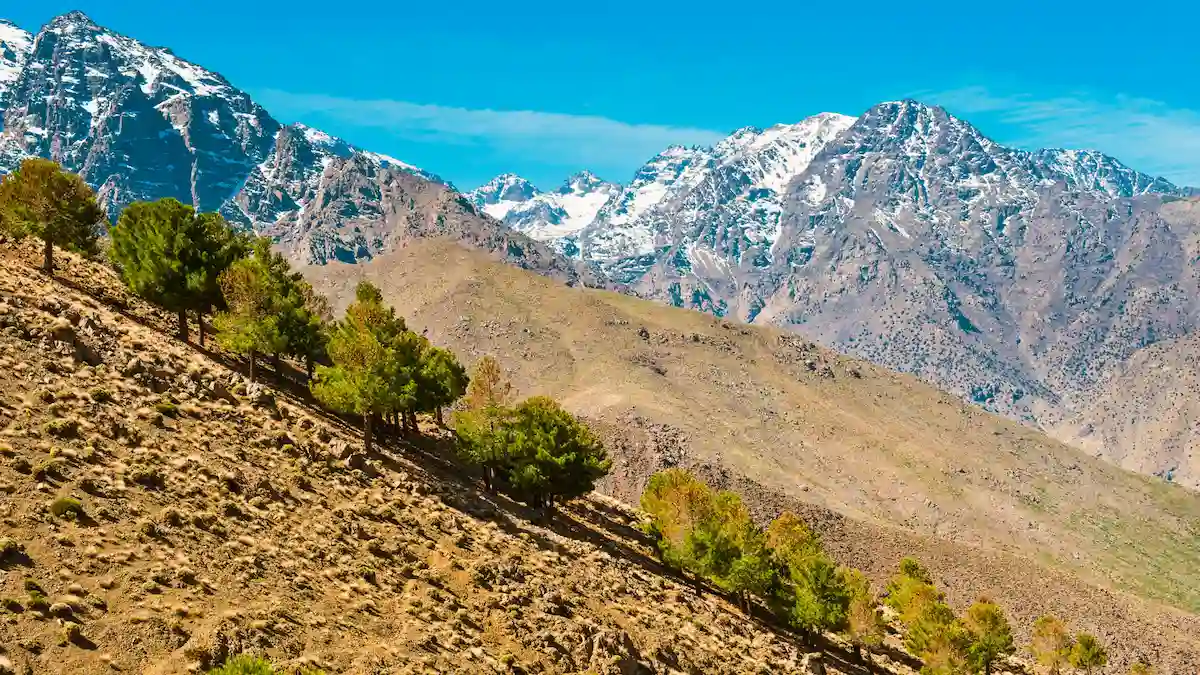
(215, 517)
(1016, 280)
(886, 465)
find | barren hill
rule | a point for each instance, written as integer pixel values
(889, 465)
(160, 515)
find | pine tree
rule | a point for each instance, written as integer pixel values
(488, 387)
(1050, 644)
(911, 592)
(1087, 653)
(864, 621)
(940, 640)
(363, 349)
(678, 505)
(814, 591)
(251, 325)
(173, 257)
(554, 457)
(991, 636)
(40, 199)
(442, 380)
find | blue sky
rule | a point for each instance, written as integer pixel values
(470, 89)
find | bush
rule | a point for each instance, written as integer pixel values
(167, 408)
(62, 428)
(66, 507)
(100, 395)
(245, 665)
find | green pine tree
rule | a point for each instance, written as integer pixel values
(991, 636)
(40, 199)
(1087, 653)
(363, 348)
(173, 257)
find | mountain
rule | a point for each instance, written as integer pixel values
(1021, 281)
(556, 216)
(139, 122)
(1018, 280)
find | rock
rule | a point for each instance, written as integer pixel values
(813, 663)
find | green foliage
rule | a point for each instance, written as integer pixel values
(536, 451)
(1087, 653)
(864, 622)
(380, 368)
(40, 199)
(245, 665)
(66, 507)
(813, 590)
(1050, 643)
(991, 636)
(441, 379)
(911, 592)
(252, 289)
(174, 257)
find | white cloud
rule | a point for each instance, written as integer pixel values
(585, 140)
(1148, 135)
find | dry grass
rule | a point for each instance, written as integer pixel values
(1013, 512)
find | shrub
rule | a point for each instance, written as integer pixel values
(167, 408)
(66, 507)
(62, 428)
(100, 395)
(244, 665)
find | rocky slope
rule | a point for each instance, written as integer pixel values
(212, 517)
(882, 463)
(138, 122)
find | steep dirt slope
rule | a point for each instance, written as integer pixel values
(235, 519)
(884, 460)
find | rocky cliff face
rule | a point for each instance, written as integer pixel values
(140, 123)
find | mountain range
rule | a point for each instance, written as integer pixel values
(1024, 281)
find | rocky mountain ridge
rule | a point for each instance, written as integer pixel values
(138, 122)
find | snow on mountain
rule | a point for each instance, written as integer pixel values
(556, 216)
(15, 45)
(502, 194)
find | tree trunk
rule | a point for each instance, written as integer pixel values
(367, 421)
(275, 365)
(200, 323)
(183, 327)
(487, 478)
(437, 415)
(251, 365)
(48, 256)
(308, 367)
